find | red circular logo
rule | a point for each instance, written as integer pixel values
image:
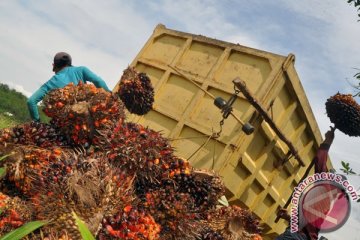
(325, 206)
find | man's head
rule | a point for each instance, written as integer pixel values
(61, 60)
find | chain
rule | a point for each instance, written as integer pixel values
(228, 111)
(217, 134)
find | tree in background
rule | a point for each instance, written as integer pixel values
(14, 102)
(356, 4)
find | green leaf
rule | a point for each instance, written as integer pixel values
(223, 201)
(352, 172)
(24, 230)
(5, 156)
(2, 172)
(343, 164)
(83, 229)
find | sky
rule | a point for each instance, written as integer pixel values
(106, 36)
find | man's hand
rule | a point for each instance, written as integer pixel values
(36, 120)
(282, 213)
(329, 136)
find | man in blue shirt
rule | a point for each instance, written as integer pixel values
(65, 73)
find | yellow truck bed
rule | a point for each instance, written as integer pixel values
(187, 72)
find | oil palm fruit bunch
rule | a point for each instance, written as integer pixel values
(57, 99)
(175, 212)
(234, 223)
(37, 168)
(105, 109)
(205, 187)
(83, 110)
(141, 151)
(13, 135)
(178, 167)
(344, 112)
(14, 213)
(33, 133)
(136, 91)
(130, 223)
(92, 191)
(63, 226)
(127, 184)
(59, 181)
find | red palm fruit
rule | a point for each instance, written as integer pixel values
(344, 112)
(135, 149)
(81, 111)
(175, 212)
(38, 168)
(33, 133)
(14, 213)
(136, 91)
(204, 186)
(132, 224)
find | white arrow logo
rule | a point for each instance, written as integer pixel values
(325, 194)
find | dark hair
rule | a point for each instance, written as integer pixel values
(62, 59)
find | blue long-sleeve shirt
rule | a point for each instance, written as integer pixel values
(62, 78)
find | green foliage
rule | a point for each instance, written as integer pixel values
(30, 227)
(346, 168)
(357, 87)
(14, 102)
(356, 4)
(3, 169)
(83, 229)
(7, 121)
(5, 156)
(357, 76)
(24, 230)
(43, 117)
(2, 172)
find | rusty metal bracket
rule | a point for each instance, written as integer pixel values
(242, 87)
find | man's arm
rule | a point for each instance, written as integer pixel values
(322, 153)
(96, 80)
(33, 101)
